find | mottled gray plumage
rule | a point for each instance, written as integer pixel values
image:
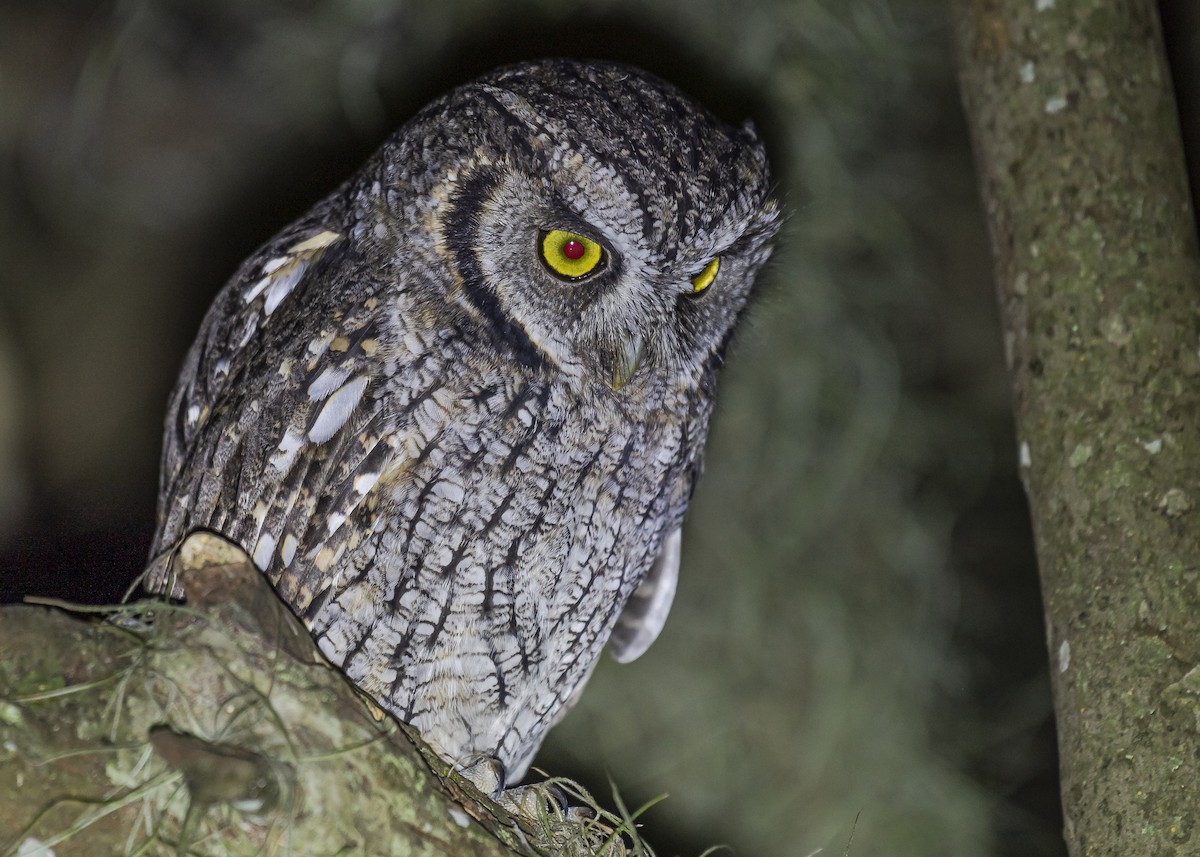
(454, 464)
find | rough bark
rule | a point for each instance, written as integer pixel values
(1082, 170)
(217, 728)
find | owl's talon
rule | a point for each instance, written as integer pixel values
(554, 792)
(580, 813)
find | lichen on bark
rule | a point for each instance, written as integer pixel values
(216, 727)
(1084, 182)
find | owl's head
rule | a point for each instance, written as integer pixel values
(597, 221)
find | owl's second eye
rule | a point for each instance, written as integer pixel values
(705, 278)
(571, 255)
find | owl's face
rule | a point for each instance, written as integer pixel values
(598, 221)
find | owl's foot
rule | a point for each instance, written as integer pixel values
(540, 801)
(486, 774)
(534, 801)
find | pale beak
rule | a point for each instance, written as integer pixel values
(626, 355)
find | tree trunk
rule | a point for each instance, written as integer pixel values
(218, 726)
(1083, 177)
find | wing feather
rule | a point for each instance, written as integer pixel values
(646, 611)
(280, 462)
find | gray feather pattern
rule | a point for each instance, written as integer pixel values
(412, 424)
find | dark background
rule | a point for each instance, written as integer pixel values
(858, 627)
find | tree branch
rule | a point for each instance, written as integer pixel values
(218, 726)
(1082, 170)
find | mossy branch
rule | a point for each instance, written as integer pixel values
(216, 727)
(1082, 170)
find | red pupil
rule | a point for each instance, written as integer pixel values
(573, 249)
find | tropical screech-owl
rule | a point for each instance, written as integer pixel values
(455, 412)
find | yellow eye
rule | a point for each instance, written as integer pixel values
(571, 255)
(704, 279)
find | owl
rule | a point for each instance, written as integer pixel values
(455, 413)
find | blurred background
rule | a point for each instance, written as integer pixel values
(857, 632)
